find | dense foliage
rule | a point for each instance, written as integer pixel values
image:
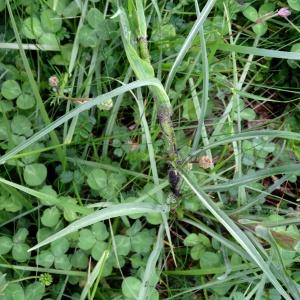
(149, 149)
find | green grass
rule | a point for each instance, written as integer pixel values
(162, 162)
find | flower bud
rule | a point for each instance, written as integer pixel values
(53, 81)
(284, 12)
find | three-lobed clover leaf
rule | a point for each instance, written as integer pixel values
(93, 239)
(20, 248)
(199, 243)
(56, 254)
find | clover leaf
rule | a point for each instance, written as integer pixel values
(25, 101)
(5, 244)
(97, 179)
(56, 254)
(79, 260)
(88, 238)
(131, 287)
(35, 291)
(35, 174)
(10, 89)
(50, 216)
(50, 21)
(20, 248)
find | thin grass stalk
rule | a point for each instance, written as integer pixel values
(151, 264)
(205, 85)
(248, 135)
(97, 271)
(44, 270)
(188, 42)
(148, 138)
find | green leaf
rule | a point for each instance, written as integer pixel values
(32, 28)
(49, 39)
(250, 13)
(191, 204)
(62, 262)
(50, 21)
(21, 235)
(45, 258)
(123, 244)
(266, 8)
(197, 252)
(131, 287)
(25, 101)
(35, 174)
(80, 260)
(116, 210)
(260, 29)
(209, 260)
(11, 204)
(99, 231)
(191, 240)
(142, 241)
(20, 252)
(98, 249)
(236, 232)
(72, 10)
(154, 218)
(2, 5)
(21, 125)
(88, 37)
(294, 4)
(5, 244)
(14, 291)
(60, 247)
(97, 179)
(50, 217)
(58, 5)
(248, 114)
(95, 18)
(86, 239)
(10, 89)
(35, 291)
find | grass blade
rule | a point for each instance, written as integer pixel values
(236, 232)
(76, 111)
(117, 210)
(188, 41)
